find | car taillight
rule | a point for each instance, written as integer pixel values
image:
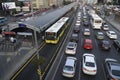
(73, 50)
(85, 69)
(73, 73)
(102, 45)
(94, 70)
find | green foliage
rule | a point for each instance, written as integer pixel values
(39, 61)
(66, 2)
(19, 3)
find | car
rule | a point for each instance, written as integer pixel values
(69, 67)
(74, 37)
(86, 32)
(105, 45)
(99, 35)
(111, 34)
(3, 21)
(86, 23)
(77, 23)
(112, 69)
(89, 66)
(116, 44)
(71, 48)
(105, 26)
(76, 29)
(88, 44)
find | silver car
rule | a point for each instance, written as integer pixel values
(112, 69)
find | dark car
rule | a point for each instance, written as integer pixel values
(116, 43)
(86, 23)
(112, 69)
(76, 29)
(74, 37)
(99, 35)
(105, 26)
(105, 45)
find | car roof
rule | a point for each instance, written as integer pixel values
(111, 31)
(105, 41)
(70, 61)
(99, 32)
(88, 40)
(89, 58)
(114, 65)
(86, 29)
(74, 34)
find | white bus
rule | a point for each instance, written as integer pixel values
(53, 34)
(96, 21)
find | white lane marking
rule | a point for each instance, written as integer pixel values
(104, 72)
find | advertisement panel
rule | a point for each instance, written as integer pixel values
(8, 5)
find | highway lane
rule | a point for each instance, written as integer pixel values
(100, 57)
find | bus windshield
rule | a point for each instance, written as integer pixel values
(97, 21)
(50, 36)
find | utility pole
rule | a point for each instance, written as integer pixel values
(36, 42)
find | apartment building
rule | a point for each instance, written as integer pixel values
(90, 1)
(37, 4)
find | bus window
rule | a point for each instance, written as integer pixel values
(50, 36)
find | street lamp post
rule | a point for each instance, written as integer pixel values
(35, 38)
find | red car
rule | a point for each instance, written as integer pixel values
(88, 44)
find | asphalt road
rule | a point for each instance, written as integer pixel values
(99, 54)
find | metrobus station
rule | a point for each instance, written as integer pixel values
(24, 34)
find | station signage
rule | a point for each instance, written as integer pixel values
(21, 25)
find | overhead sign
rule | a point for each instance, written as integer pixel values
(21, 25)
(8, 33)
(24, 0)
(24, 33)
(8, 5)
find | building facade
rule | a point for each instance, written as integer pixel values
(37, 4)
(91, 1)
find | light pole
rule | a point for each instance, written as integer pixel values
(36, 42)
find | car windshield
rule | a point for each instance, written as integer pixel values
(68, 68)
(90, 64)
(116, 72)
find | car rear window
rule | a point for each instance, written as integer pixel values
(116, 72)
(68, 68)
(90, 64)
(70, 48)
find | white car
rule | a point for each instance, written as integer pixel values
(111, 34)
(71, 48)
(78, 21)
(89, 64)
(69, 67)
(86, 32)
